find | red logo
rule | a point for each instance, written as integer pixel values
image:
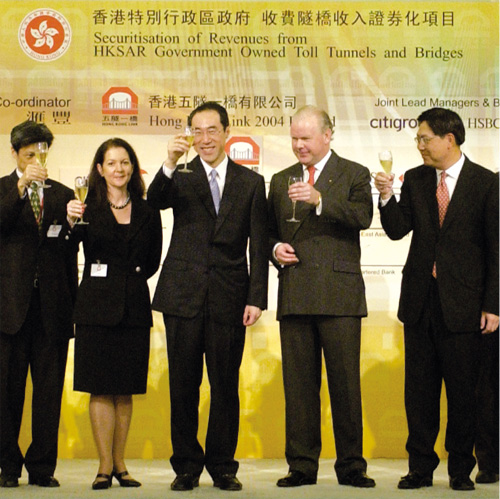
(243, 150)
(120, 100)
(44, 35)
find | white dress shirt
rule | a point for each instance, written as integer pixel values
(221, 170)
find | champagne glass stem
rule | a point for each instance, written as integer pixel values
(185, 168)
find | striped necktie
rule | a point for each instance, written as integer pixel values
(214, 189)
(35, 204)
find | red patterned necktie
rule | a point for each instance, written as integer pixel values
(443, 199)
(311, 170)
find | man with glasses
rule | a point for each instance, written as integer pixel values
(207, 291)
(449, 291)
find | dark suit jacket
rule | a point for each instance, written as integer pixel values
(328, 279)
(207, 257)
(465, 249)
(25, 253)
(122, 297)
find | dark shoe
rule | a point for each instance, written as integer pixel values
(296, 479)
(461, 482)
(102, 484)
(484, 476)
(357, 478)
(8, 481)
(414, 480)
(125, 482)
(43, 481)
(227, 482)
(186, 481)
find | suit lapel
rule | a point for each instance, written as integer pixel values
(137, 218)
(27, 210)
(200, 185)
(330, 175)
(301, 211)
(429, 185)
(460, 194)
(327, 179)
(229, 194)
(49, 201)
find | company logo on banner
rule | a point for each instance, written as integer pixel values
(120, 100)
(44, 35)
(244, 150)
(120, 107)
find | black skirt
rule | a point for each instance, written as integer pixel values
(111, 361)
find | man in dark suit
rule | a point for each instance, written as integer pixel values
(449, 291)
(321, 297)
(37, 289)
(207, 292)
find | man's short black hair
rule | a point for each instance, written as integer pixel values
(443, 121)
(211, 106)
(29, 132)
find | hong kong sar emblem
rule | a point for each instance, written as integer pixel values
(44, 35)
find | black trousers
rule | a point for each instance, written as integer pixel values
(487, 405)
(31, 349)
(433, 354)
(304, 338)
(188, 341)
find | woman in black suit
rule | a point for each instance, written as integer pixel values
(122, 245)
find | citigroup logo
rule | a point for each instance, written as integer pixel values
(44, 35)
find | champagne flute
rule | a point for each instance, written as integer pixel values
(385, 158)
(293, 180)
(41, 152)
(190, 138)
(81, 191)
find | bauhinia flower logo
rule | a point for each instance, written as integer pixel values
(44, 35)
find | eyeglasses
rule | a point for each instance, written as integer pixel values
(424, 139)
(211, 132)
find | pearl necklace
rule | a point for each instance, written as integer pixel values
(122, 206)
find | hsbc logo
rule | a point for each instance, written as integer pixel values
(44, 35)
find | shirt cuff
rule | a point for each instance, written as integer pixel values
(274, 253)
(383, 202)
(168, 172)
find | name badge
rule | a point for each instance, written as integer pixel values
(54, 230)
(98, 270)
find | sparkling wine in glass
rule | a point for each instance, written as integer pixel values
(41, 152)
(293, 180)
(385, 158)
(81, 191)
(190, 138)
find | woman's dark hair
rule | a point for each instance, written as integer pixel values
(211, 106)
(443, 121)
(97, 183)
(29, 132)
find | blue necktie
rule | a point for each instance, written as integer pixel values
(214, 189)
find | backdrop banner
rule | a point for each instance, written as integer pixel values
(136, 69)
